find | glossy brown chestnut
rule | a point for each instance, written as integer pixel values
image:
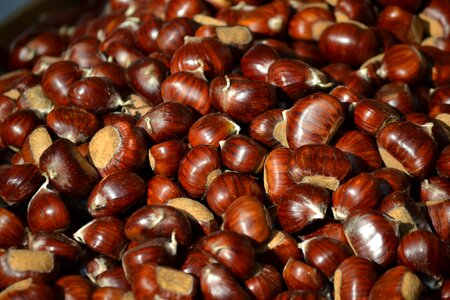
(19, 264)
(298, 275)
(407, 147)
(122, 53)
(165, 157)
(233, 250)
(399, 282)
(361, 191)
(111, 71)
(248, 216)
(434, 189)
(313, 119)
(301, 205)
(405, 26)
(371, 115)
(372, 235)
(189, 88)
(147, 33)
(209, 54)
(84, 51)
(167, 121)
(354, 278)
(17, 126)
(241, 153)
(57, 80)
(19, 183)
(12, 229)
(398, 180)
(327, 228)
(121, 146)
(104, 235)
(348, 43)
(211, 129)
(68, 171)
(216, 282)
(161, 189)
(242, 99)
(256, 61)
(325, 254)
(296, 78)
(265, 128)
(443, 163)
(115, 193)
(113, 277)
(228, 186)
(171, 35)
(47, 212)
(72, 123)
(152, 282)
(265, 282)
(309, 22)
(360, 11)
(154, 221)
(404, 63)
(74, 287)
(94, 94)
(322, 165)
(276, 179)
(399, 96)
(145, 77)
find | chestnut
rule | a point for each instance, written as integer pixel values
(35, 144)
(325, 254)
(57, 80)
(435, 14)
(405, 26)
(28, 289)
(309, 22)
(354, 278)
(161, 189)
(152, 282)
(111, 71)
(434, 189)
(300, 276)
(110, 293)
(354, 10)
(176, 8)
(443, 163)
(216, 282)
(265, 282)
(122, 53)
(276, 179)
(227, 187)
(171, 35)
(74, 287)
(47, 212)
(248, 216)
(209, 54)
(296, 78)
(399, 96)
(12, 229)
(115, 193)
(319, 164)
(233, 250)
(241, 153)
(211, 129)
(17, 126)
(313, 119)
(269, 128)
(167, 121)
(256, 61)
(104, 235)
(198, 168)
(145, 77)
(397, 180)
(19, 183)
(33, 98)
(407, 147)
(189, 88)
(371, 115)
(301, 205)
(72, 123)
(349, 43)
(398, 281)
(372, 235)
(242, 99)
(68, 171)
(326, 228)
(165, 157)
(147, 33)
(300, 295)
(113, 277)
(154, 221)
(84, 51)
(121, 146)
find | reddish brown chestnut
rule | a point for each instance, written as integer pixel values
(115, 193)
(265, 282)
(276, 179)
(121, 146)
(301, 205)
(165, 157)
(104, 235)
(256, 61)
(69, 172)
(313, 120)
(265, 128)
(154, 221)
(27, 289)
(372, 115)
(300, 276)
(218, 283)
(309, 22)
(211, 129)
(161, 189)
(198, 168)
(17, 126)
(11, 229)
(75, 287)
(407, 147)
(405, 26)
(171, 35)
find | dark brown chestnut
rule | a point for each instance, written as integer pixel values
(264, 282)
(171, 35)
(17, 126)
(310, 21)
(265, 128)
(298, 275)
(216, 282)
(161, 189)
(256, 61)
(405, 26)
(165, 157)
(371, 115)
(12, 229)
(74, 287)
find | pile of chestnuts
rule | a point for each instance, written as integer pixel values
(225, 149)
